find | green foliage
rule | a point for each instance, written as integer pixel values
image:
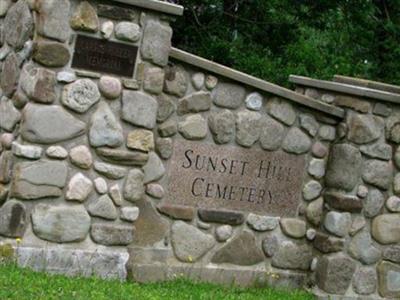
(22, 284)
(274, 38)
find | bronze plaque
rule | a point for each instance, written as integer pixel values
(234, 178)
(104, 56)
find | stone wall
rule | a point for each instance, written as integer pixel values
(87, 160)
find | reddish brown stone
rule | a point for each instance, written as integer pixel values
(328, 244)
(178, 212)
(343, 202)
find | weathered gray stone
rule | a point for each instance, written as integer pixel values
(382, 109)
(319, 150)
(156, 43)
(221, 216)
(193, 103)
(177, 212)
(103, 208)
(154, 169)
(389, 280)
(316, 168)
(39, 84)
(129, 214)
(109, 234)
(6, 165)
(53, 20)
(122, 157)
(107, 29)
(79, 188)
(222, 126)
(66, 77)
(140, 139)
(50, 54)
(262, 223)
(110, 171)
(282, 111)
(378, 150)
(27, 151)
(373, 203)
(60, 224)
(362, 249)
(338, 223)
(327, 244)
(4, 6)
(296, 141)
(85, 18)
(254, 101)
(151, 228)
(314, 211)
(223, 233)
(164, 147)
(81, 157)
(378, 173)
(166, 106)
(392, 253)
(110, 87)
(39, 179)
(153, 81)
(327, 133)
(139, 109)
(57, 152)
(242, 250)
(176, 81)
(19, 24)
(80, 95)
(228, 95)
(189, 243)
(311, 234)
(272, 134)
(294, 228)
(270, 245)
(155, 190)
(357, 224)
(344, 167)
(194, 127)
(127, 31)
(393, 204)
(168, 128)
(292, 255)
(312, 190)
(198, 80)
(386, 228)
(334, 273)
(248, 127)
(364, 281)
(100, 185)
(134, 187)
(115, 194)
(9, 115)
(364, 129)
(343, 202)
(10, 74)
(13, 219)
(117, 12)
(36, 119)
(362, 191)
(309, 124)
(105, 130)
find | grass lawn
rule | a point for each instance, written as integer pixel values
(21, 284)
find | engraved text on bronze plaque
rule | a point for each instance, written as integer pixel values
(104, 56)
(225, 177)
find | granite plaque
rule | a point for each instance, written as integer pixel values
(234, 178)
(104, 56)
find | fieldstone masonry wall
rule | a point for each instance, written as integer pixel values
(86, 160)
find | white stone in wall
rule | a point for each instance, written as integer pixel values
(316, 168)
(66, 77)
(110, 87)
(127, 31)
(101, 185)
(198, 80)
(262, 223)
(27, 151)
(254, 101)
(81, 157)
(312, 190)
(115, 194)
(139, 109)
(393, 204)
(107, 29)
(129, 214)
(156, 42)
(80, 95)
(211, 82)
(79, 188)
(338, 223)
(57, 152)
(223, 233)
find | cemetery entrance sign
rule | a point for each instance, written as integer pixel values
(213, 176)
